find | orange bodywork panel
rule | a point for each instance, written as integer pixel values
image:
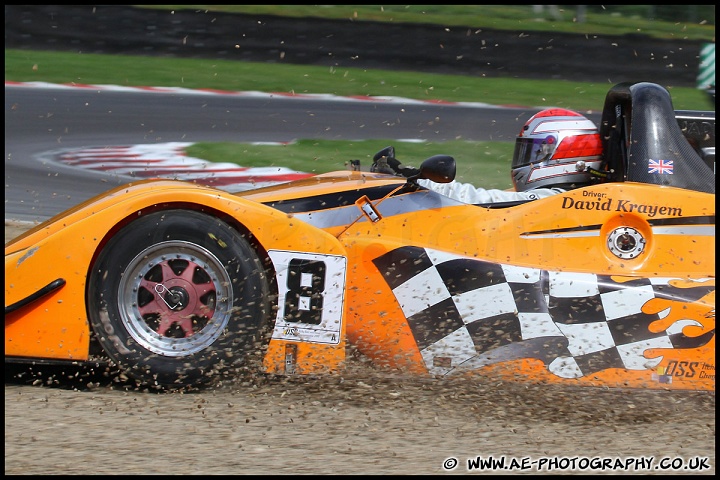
(576, 237)
(56, 326)
(610, 285)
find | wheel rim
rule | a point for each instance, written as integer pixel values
(175, 298)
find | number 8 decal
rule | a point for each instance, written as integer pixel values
(305, 284)
(311, 296)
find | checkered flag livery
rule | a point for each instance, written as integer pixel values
(466, 313)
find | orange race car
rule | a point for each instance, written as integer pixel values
(612, 284)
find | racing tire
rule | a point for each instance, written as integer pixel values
(177, 298)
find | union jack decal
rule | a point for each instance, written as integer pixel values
(660, 166)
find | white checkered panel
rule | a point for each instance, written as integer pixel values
(466, 313)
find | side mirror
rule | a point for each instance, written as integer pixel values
(438, 169)
(388, 152)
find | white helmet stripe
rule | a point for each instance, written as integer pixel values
(570, 124)
(543, 173)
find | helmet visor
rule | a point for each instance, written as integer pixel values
(533, 150)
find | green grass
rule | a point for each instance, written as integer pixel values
(126, 70)
(480, 163)
(689, 22)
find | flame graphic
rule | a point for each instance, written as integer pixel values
(677, 311)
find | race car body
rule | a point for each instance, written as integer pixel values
(607, 285)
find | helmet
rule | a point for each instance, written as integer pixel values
(556, 148)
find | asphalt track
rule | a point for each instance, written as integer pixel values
(43, 121)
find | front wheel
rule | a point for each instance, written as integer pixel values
(178, 297)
